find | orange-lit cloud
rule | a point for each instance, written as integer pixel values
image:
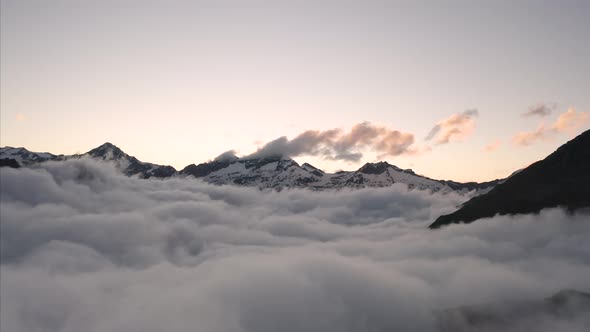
(493, 146)
(20, 117)
(529, 137)
(455, 128)
(334, 144)
(568, 122)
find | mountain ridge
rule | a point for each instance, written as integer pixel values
(562, 179)
(276, 172)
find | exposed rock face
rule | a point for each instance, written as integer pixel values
(9, 162)
(561, 179)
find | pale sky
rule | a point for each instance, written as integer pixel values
(180, 82)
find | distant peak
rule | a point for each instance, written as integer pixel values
(107, 150)
(108, 145)
(374, 168)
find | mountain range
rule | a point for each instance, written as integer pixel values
(275, 172)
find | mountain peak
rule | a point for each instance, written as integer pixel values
(374, 168)
(107, 151)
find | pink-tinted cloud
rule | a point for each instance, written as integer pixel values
(493, 146)
(455, 128)
(529, 137)
(335, 144)
(568, 122)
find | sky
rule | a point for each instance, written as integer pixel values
(461, 90)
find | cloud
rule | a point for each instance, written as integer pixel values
(541, 109)
(20, 117)
(334, 144)
(86, 249)
(455, 128)
(571, 121)
(493, 146)
(568, 122)
(529, 137)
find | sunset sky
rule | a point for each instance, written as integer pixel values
(461, 90)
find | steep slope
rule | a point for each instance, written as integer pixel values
(561, 179)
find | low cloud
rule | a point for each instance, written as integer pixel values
(493, 146)
(86, 249)
(542, 110)
(455, 128)
(335, 144)
(568, 122)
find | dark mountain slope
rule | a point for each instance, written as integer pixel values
(561, 179)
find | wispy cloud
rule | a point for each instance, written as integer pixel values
(455, 128)
(568, 122)
(336, 144)
(541, 109)
(493, 146)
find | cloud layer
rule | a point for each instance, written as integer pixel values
(568, 122)
(85, 249)
(335, 144)
(454, 128)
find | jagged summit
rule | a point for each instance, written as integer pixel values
(374, 168)
(107, 151)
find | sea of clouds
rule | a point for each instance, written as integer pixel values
(84, 248)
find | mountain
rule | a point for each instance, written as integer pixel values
(129, 165)
(279, 172)
(275, 172)
(24, 157)
(561, 179)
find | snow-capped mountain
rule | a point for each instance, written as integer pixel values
(279, 172)
(25, 157)
(274, 172)
(129, 165)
